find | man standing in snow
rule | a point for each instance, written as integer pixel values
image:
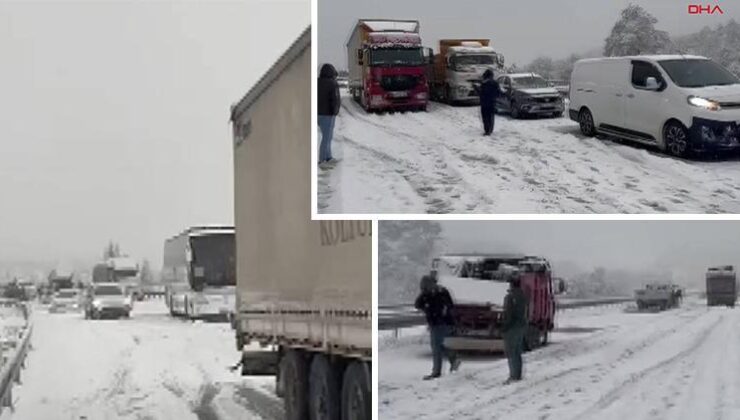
(328, 108)
(489, 91)
(436, 303)
(514, 327)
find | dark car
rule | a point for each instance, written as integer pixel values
(528, 94)
(107, 300)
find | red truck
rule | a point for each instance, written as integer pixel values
(387, 65)
(478, 285)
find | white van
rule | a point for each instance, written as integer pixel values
(679, 103)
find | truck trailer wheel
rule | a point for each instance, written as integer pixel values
(324, 398)
(356, 397)
(294, 369)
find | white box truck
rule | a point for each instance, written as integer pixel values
(303, 287)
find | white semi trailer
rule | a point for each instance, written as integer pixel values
(303, 288)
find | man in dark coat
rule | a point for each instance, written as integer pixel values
(514, 327)
(436, 303)
(328, 108)
(489, 91)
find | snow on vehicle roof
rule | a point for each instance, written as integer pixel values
(206, 232)
(467, 49)
(518, 75)
(476, 291)
(122, 263)
(390, 39)
(391, 25)
(654, 57)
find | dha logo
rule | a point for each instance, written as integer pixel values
(700, 9)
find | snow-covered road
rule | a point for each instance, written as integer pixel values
(438, 162)
(148, 367)
(605, 363)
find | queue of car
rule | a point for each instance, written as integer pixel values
(96, 301)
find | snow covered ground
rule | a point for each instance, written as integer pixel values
(604, 363)
(148, 367)
(438, 162)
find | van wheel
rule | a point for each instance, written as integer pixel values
(676, 139)
(586, 121)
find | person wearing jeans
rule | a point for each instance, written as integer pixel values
(436, 303)
(328, 108)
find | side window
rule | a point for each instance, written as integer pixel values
(641, 71)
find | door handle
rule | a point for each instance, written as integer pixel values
(631, 95)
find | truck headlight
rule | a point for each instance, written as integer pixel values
(705, 103)
(96, 303)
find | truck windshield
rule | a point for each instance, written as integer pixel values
(108, 291)
(396, 57)
(123, 275)
(67, 293)
(529, 82)
(213, 261)
(693, 73)
(464, 60)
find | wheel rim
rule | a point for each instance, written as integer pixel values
(676, 140)
(587, 122)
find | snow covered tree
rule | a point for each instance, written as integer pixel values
(146, 272)
(543, 66)
(719, 44)
(405, 252)
(635, 33)
(112, 250)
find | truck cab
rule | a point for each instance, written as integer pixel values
(387, 66)
(458, 69)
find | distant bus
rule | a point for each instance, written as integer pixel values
(199, 272)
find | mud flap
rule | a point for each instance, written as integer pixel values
(259, 363)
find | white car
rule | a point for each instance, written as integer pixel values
(65, 300)
(679, 103)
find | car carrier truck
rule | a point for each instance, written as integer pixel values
(303, 287)
(387, 66)
(457, 69)
(721, 286)
(478, 286)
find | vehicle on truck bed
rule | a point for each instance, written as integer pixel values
(107, 300)
(387, 67)
(304, 288)
(478, 286)
(525, 94)
(721, 284)
(457, 69)
(660, 296)
(200, 273)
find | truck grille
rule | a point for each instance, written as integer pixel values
(399, 82)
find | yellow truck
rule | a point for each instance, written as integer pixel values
(457, 68)
(303, 287)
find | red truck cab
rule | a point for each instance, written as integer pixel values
(478, 286)
(387, 66)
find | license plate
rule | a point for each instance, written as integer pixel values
(398, 94)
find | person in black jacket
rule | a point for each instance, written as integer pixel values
(436, 303)
(489, 91)
(514, 327)
(328, 108)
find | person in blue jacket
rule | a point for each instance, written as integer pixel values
(489, 91)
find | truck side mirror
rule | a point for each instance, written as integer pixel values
(429, 55)
(651, 83)
(359, 57)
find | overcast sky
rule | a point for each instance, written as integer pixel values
(114, 117)
(519, 29)
(687, 246)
